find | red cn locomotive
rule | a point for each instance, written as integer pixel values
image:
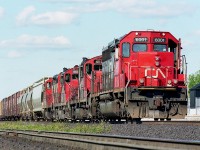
(139, 75)
(143, 76)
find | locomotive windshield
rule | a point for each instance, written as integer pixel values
(139, 47)
(160, 48)
(74, 76)
(97, 67)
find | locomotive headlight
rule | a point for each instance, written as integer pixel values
(175, 81)
(136, 33)
(169, 81)
(157, 58)
(163, 34)
(141, 80)
(157, 63)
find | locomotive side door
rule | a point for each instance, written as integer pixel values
(134, 70)
(126, 53)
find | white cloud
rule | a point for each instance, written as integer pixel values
(28, 16)
(23, 16)
(53, 18)
(14, 54)
(36, 42)
(135, 8)
(70, 1)
(1, 11)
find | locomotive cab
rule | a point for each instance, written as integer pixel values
(151, 59)
(88, 69)
(71, 84)
(48, 97)
(89, 81)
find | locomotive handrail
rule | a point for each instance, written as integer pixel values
(184, 67)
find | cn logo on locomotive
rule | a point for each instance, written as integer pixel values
(153, 73)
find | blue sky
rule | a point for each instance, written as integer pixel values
(38, 38)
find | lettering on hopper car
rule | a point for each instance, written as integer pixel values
(153, 73)
(159, 40)
(141, 39)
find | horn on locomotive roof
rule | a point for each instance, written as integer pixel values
(64, 69)
(84, 60)
(150, 30)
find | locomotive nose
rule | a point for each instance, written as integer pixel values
(154, 69)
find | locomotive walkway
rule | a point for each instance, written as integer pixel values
(102, 142)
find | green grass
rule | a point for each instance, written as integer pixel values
(57, 126)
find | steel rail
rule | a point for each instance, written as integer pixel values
(98, 141)
(176, 122)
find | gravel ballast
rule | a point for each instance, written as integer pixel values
(179, 132)
(160, 131)
(16, 143)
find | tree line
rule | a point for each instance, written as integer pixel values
(194, 79)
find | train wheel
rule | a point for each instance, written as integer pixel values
(169, 119)
(138, 121)
(155, 119)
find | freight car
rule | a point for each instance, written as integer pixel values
(139, 75)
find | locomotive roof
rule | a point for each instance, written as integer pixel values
(151, 31)
(88, 59)
(116, 41)
(113, 43)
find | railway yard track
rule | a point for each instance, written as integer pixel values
(97, 141)
(147, 135)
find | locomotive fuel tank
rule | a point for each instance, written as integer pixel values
(110, 109)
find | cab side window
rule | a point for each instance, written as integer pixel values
(88, 68)
(67, 77)
(125, 49)
(48, 85)
(97, 67)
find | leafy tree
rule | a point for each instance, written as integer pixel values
(194, 79)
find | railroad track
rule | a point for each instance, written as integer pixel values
(97, 141)
(176, 122)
